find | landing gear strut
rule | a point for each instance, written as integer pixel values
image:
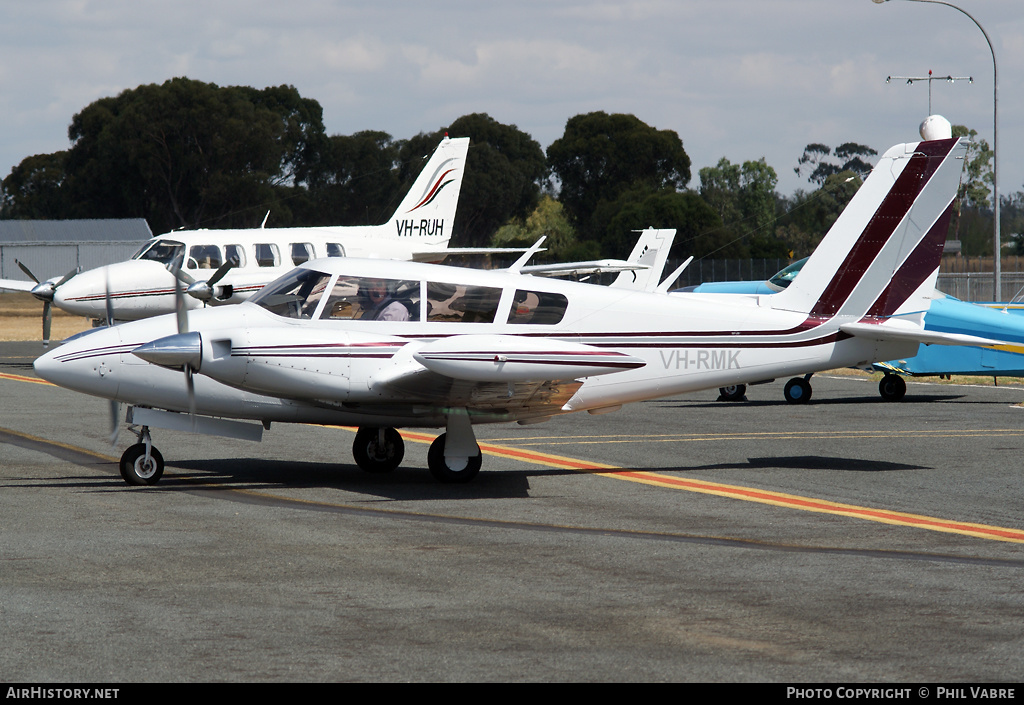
(142, 464)
(454, 456)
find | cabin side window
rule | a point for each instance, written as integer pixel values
(236, 253)
(301, 252)
(335, 250)
(459, 303)
(267, 254)
(537, 308)
(371, 299)
(204, 257)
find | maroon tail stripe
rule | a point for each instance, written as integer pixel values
(890, 213)
(918, 267)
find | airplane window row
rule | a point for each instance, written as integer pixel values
(306, 293)
(264, 254)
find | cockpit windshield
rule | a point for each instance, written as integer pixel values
(167, 252)
(295, 295)
(785, 277)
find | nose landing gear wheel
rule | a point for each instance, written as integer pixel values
(797, 391)
(137, 469)
(443, 472)
(892, 387)
(378, 450)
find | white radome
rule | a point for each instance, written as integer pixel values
(936, 127)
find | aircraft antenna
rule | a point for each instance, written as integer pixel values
(948, 79)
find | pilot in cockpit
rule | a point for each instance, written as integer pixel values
(381, 304)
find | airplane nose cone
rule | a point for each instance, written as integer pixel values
(85, 363)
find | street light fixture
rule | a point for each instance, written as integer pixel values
(997, 245)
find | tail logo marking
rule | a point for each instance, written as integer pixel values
(438, 181)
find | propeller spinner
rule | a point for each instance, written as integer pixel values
(45, 291)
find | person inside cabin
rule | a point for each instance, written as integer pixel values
(381, 304)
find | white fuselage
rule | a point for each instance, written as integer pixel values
(144, 285)
(305, 366)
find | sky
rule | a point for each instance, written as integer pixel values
(739, 79)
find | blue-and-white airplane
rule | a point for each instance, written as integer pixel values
(945, 314)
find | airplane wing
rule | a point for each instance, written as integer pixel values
(16, 285)
(496, 372)
(902, 331)
(435, 256)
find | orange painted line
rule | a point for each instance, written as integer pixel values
(750, 494)
(825, 506)
(20, 378)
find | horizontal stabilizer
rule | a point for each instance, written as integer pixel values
(498, 358)
(595, 266)
(897, 331)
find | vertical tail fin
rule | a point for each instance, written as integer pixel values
(651, 250)
(881, 256)
(428, 211)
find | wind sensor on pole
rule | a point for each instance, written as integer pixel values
(930, 78)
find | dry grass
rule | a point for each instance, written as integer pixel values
(954, 379)
(21, 318)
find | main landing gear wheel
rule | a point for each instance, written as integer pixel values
(378, 449)
(797, 391)
(443, 472)
(892, 387)
(138, 469)
(734, 392)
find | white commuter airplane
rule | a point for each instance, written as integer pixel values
(145, 285)
(462, 346)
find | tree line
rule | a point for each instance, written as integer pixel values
(188, 154)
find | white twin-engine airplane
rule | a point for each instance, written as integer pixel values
(385, 345)
(228, 266)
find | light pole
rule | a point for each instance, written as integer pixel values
(997, 294)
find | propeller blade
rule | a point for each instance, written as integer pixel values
(221, 271)
(67, 276)
(108, 301)
(182, 276)
(115, 426)
(27, 271)
(179, 301)
(190, 385)
(47, 319)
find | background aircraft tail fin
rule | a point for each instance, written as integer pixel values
(881, 256)
(650, 251)
(428, 210)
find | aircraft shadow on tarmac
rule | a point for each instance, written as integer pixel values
(400, 484)
(835, 401)
(808, 462)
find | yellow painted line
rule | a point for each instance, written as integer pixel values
(749, 494)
